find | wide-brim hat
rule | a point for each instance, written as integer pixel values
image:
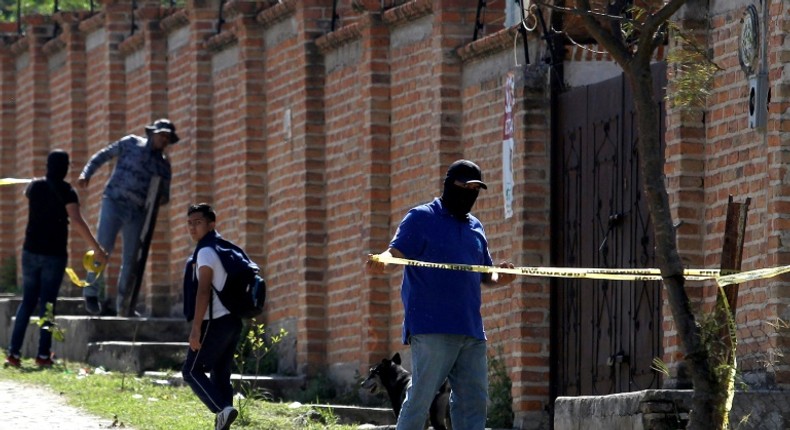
(163, 126)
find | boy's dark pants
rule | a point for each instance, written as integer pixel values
(215, 356)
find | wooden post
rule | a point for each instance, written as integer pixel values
(732, 248)
(144, 243)
(724, 353)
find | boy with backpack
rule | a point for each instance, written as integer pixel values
(212, 270)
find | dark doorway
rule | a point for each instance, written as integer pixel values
(605, 334)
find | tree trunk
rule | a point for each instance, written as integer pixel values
(707, 399)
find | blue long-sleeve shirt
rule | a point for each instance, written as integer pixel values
(137, 163)
(438, 300)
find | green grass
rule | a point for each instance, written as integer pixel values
(144, 404)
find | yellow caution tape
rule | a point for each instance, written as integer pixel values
(12, 181)
(75, 279)
(596, 273)
(751, 275)
(90, 265)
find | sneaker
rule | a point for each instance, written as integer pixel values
(44, 362)
(92, 305)
(12, 361)
(225, 418)
(108, 308)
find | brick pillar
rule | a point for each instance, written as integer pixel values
(32, 108)
(308, 115)
(66, 63)
(105, 92)
(376, 228)
(250, 198)
(188, 98)
(145, 64)
(777, 221)
(527, 356)
(453, 23)
(296, 170)
(9, 210)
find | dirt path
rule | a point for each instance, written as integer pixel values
(27, 407)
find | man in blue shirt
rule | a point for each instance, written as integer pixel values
(138, 161)
(442, 322)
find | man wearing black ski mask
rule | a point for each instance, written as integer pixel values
(442, 320)
(52, 204)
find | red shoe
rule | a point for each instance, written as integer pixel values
(12, 361)
(44, 362)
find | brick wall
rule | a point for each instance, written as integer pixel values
(313, 144)
(8, 204)
(712, 154)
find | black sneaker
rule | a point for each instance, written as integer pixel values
(108, 309)
(225, 418)
(92, 305)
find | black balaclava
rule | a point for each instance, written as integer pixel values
(458, 200)
(57, 165)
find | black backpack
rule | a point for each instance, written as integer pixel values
(244, 292)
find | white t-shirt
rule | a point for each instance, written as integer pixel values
(208, 257)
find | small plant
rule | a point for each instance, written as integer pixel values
(47, 322)
(500, 411)
(252, 354)
(251, 358)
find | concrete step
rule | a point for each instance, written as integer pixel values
(277, 386)
(64, 306)
(10, 303)
(380, 418)
(137, 357)
(81, 331)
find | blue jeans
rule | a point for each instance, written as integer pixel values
(115, 217)
(215, 356)
(41, 279)
(461, 359)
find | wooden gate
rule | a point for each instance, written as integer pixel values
(605, 334)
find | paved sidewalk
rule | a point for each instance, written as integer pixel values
(27, 407)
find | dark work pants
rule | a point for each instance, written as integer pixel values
(215, 357)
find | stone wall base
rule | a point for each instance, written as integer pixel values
(667, 410)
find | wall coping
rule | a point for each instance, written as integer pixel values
(277, 13)
(132, 43)
(339, 37)
(174, 21)
(489, 45)
(220, 41)
(95, 22)
(408, 12)
(53, 46)
(19, 46)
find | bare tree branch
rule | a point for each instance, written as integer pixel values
(579, 12)
(617, 48)
(652, 25)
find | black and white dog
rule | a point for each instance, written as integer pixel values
(390, 377)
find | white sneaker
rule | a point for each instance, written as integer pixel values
(226, 417)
